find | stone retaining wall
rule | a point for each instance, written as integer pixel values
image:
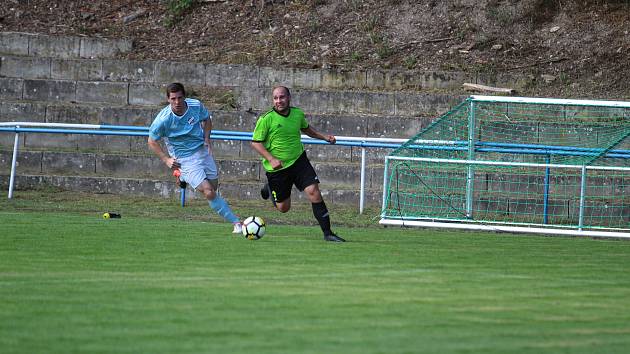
(41, 45)
(400, 104)
(85, 80)
(55, 54)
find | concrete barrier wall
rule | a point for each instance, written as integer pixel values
(341, 125)
(257, 99)
(78, 59)
(82, 80)
(223, 75)
(52, 69)
(61, 112)
(247, 170)
(69, 47)
(18, 43)
(168, 189)
(149, 167)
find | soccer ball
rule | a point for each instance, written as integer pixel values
(253, 227)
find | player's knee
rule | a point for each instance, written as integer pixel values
(314, 196)
(210, 194)
(284, 209)
(317, 198)
(313, 191)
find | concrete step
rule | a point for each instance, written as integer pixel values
(346, 124)
(405, 104)
(87, 56)
(76, 113)
(42, 45)
(346, 174)
(243, 121)
(77, 80)
(146, 175)
(134, 146)
(224, 75)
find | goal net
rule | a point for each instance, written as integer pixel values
(516, 164)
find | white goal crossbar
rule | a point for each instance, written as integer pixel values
(550, 101)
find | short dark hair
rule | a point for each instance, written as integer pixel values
(175, 87)
(286, 89)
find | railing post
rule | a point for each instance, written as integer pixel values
(14, 162)
(546, 191)
(362, 192)
(471, 156)
(385, 186)
(582, 198)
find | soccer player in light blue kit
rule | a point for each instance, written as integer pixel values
(185, 124)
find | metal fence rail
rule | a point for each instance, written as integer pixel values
(123, 130)
(362, 142)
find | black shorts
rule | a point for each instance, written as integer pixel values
(301, 174)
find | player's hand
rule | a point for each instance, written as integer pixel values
(172, 163)
(275, 164)
(331, 139)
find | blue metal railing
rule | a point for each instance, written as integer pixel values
(362, 142)
(122, 130)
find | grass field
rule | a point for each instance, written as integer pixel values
(161, 280)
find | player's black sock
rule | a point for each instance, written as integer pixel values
(321, 214)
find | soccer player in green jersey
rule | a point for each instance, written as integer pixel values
(277, 138)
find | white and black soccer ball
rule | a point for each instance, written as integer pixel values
(254, 227)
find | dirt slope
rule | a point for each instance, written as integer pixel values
(561, 48)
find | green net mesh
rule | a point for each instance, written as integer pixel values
(564, 164)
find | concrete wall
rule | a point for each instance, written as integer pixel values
(50, 53)
(85, 62)
(119, 82)
(83, 80)
(40, 45)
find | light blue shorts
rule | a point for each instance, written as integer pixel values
(198, 167)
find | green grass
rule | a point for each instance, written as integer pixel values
(167, 282)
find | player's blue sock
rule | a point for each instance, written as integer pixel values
(222, 208)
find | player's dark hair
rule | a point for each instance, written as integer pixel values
(175, 87)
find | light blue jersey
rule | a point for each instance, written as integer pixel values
(183, 135)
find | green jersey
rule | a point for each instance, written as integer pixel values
(281, 136)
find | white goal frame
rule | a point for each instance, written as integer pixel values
(471, 161)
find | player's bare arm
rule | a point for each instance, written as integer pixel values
(207, 130)
(317, 135)
(260, 149)
(169, 161)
